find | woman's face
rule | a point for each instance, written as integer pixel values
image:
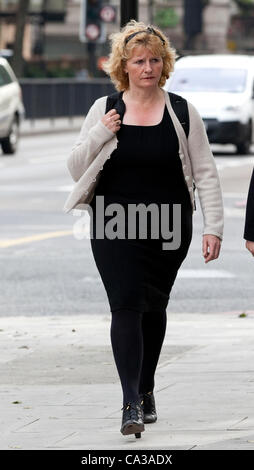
(144, 68)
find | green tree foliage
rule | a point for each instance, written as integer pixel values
(166, 18)
(245, 4)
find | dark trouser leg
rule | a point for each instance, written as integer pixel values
(153, 329)
(127, 345)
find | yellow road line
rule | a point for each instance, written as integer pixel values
(34, 238)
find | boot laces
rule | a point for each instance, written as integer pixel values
(132, 409)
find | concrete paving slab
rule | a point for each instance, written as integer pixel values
(203, 384)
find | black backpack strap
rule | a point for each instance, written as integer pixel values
(180, 107)
(114, 101)
(111, 100)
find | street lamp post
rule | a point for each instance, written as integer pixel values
(17, 60)
(129, 11)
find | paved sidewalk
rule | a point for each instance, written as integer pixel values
(59, 386)
(50, 126)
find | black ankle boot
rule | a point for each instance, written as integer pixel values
(148, 405)
(132, 421)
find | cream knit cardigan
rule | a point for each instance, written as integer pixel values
(96, 143)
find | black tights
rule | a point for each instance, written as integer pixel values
(136, 340)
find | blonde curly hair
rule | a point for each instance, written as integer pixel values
(121, 51)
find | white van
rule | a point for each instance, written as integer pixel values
(221, 87)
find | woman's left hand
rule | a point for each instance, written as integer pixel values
(211, 247)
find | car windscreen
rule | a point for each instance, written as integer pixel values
(208, 79)
(5, 78)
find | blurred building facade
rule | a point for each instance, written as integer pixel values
(216, 17)
(54, 40)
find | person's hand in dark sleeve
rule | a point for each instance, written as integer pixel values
(249, 218)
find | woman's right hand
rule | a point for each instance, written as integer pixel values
(250, 246)
(111, 120)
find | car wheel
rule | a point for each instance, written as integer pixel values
(243, 148)
(10, 143)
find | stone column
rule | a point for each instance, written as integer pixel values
(216, 18)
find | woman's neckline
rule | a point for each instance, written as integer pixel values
(140, 125)
(151, 125)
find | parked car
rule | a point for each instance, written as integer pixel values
(221, 87)
(11, 108)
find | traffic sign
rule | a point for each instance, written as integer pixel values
(92, 31)
(108, 14)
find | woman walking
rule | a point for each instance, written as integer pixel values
(137, 153)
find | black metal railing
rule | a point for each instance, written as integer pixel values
(62, 97)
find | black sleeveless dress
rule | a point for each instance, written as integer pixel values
(144, 168)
